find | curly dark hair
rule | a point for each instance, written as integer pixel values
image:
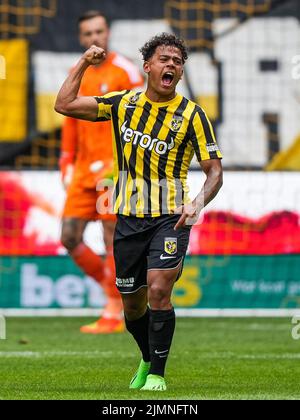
(169, 40)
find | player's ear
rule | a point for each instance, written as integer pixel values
(146, 67)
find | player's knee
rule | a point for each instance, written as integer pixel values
(158, 296)
(133, 311)
(70, 241)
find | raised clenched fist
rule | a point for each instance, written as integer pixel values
(94, 55)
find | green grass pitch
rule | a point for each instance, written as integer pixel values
(210, 359)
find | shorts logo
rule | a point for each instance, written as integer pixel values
(125, 282)
(171, 246)
(176, 123)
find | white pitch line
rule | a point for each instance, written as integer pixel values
(205, 313)
(289, 356)
(38, 354)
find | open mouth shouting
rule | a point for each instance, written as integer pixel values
(167, 79)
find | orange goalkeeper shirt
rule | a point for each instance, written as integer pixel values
(89, 145)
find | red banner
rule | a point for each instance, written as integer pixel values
(225, 233)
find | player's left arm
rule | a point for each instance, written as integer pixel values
(214, 181)
(209, 157)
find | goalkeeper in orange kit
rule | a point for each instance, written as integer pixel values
(85, 160)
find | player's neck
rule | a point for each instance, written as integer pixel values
(158, 97)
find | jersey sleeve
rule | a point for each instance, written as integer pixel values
(203, 137)
(68, 143)
(105, 104)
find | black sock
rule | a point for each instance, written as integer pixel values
(162, 327)
(140, 331)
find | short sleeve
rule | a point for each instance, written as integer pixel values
(203, 137)
(105, 104)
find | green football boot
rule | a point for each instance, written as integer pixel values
(140, 377)
(154, 383)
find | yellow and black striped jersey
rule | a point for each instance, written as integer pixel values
(154, 144)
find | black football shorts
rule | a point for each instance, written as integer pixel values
(150, 243)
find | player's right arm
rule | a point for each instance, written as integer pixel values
(68, 102)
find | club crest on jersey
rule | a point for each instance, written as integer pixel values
(171, 246)
(133, 100)
(176, 123)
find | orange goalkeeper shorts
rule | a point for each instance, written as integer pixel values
(87, 203)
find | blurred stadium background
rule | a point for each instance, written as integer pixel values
(244, 70)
